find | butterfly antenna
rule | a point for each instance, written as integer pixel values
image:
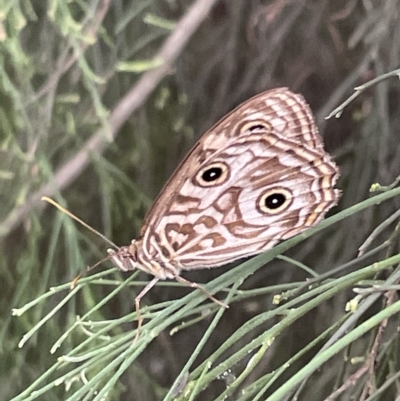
(76, 279)
(68, 213)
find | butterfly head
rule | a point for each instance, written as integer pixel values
(125, 257)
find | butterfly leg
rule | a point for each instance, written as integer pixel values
(195, 285)
(142, 293)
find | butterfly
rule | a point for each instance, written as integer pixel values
(257, 177)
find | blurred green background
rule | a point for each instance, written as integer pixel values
(86, 79)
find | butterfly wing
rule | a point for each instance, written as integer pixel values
(260, 175)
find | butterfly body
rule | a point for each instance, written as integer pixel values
(259, 176)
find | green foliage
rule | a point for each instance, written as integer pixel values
(319, 322)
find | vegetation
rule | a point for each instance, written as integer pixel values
(99, 101)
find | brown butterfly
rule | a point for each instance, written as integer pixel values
(259, 176)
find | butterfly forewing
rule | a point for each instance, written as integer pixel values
(259, 176)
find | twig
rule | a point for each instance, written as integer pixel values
(378, 230)
(370, 387)
(71, 169)
(65, 62)
(360, 89)
(351, 381)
